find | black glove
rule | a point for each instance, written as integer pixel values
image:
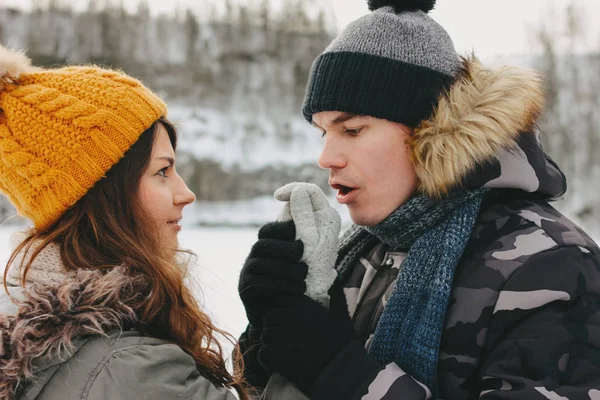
(315, 348)
(249, 345)
(273, 269)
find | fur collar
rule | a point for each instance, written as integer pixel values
(482, 114)
(52, 316)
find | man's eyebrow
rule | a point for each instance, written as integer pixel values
(340, 119)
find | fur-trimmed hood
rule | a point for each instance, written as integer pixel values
(483, 133)
(51, 317)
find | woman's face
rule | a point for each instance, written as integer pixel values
(162, 191)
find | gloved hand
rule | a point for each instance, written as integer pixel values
(249, 346)
(272, 270)
(318, 227)
(301, 338)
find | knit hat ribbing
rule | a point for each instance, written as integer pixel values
(392, 63)
(62, 129)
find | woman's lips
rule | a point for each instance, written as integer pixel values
(175, 224)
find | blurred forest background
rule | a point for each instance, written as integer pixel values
(234, 77)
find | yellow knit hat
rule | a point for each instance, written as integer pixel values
(62, 129)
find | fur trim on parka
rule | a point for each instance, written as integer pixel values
(484, 111)
(51, 317)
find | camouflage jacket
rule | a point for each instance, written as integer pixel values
(524, 315)
(523, 320)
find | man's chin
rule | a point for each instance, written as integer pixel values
(364, 219)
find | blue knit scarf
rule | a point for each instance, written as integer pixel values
(435, 233)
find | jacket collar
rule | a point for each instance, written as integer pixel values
(53, 318)
(483, 133)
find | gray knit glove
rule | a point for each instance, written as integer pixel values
(318, 227)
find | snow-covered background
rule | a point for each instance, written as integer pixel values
(233, 73)
(234, 76)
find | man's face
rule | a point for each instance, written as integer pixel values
(368, 162)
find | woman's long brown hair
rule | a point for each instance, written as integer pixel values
(109, 227)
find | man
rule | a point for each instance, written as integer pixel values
(461, 281)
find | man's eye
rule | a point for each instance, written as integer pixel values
(353, 132)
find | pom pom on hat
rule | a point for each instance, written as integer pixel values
(12, 65)
(402, 5)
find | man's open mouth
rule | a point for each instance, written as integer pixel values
(343, 190)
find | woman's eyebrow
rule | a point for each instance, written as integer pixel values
(171, 160)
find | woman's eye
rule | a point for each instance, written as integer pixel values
(163, 172)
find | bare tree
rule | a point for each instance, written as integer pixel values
(572, 121)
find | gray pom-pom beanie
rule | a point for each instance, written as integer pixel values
(392, 63)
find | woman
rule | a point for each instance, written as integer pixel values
(100, 308)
